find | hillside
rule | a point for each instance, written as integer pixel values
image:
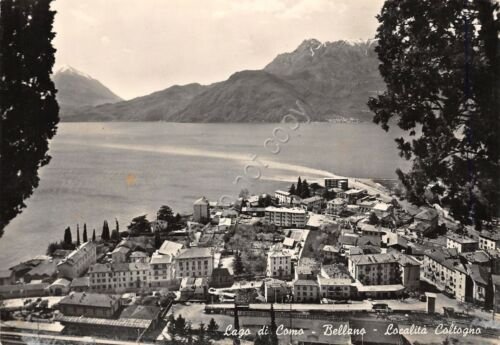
(336, 78)
(248, 96)
(332, 79)
(158, 106)
(77, 89)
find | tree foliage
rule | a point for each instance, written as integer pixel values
(105, 234)
(67, 236)
(85, 236)
(238, 266)
(29, 112)
(440, 62)
(139, 225)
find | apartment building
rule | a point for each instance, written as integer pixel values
(283, 197)
(336, 206)
(279, 263)
(489, 240)
(194, 262)
(463, 244)
(119, 277)
(385, 269)
(78, 261)
(443, 269)
(286, 217)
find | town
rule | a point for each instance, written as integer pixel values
(331, 253)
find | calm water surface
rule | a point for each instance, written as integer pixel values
(120, 170)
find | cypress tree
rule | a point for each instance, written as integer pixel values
(292, 189)
(299, 187)
(77, 235)
(93, 235)
(105, 236)
(85, 238)
(28, 107)
(67, 236)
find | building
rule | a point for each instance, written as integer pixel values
(382, 209)
(279, 264)
(24, 290)
(286, 217)
(120, 254)
(119, 277)
(341, 183)
(162, 270)
(81, 284)
(221, 277)
(306, 290)
(194, 262)
(307, 269)
(352, 195)
(461, 243)
(60, 287)
(336, 206)
(489, 240)
(429, 217)
(138, 256)
(443, 269)
(89, 305)
(170, 248)
(78, 262)
(496, 292)
(372, 230)
(194, 288)
(201, 210)
(313, 203)
(481, 292)
(385, 269)
(283, 197)
(276, 291)
(335, 288)
(7, 277)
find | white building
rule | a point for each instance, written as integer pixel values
(286, 217)
(162, 270)
(279, 264)
(489, 240)
(461, 243)
(119, 277)
(335, 207)
(201, 210)
(196, 262)
(78, 261)
(283, 197)
(443, 269)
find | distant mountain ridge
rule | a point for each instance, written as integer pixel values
(77, 89)
(330, 79)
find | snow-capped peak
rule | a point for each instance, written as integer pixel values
(72, 70)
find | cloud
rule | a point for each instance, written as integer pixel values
(296, 9)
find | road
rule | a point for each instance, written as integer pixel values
(21, 338)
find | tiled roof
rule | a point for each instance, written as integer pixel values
(90, 299)
(196, 252)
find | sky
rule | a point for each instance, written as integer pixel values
(136, 47)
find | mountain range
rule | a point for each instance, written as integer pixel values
(331, 80)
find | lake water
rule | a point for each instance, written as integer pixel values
(120, 170)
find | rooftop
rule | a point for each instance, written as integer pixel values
(195, 252)
(77, 254)
(140, 312)
(282, 192)
(306, 282)
(201, 201)
(90, 299)
(372, 259)
(170, 248)
(285, 210)
(491, 235)
(460, 239)
(427, 214)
